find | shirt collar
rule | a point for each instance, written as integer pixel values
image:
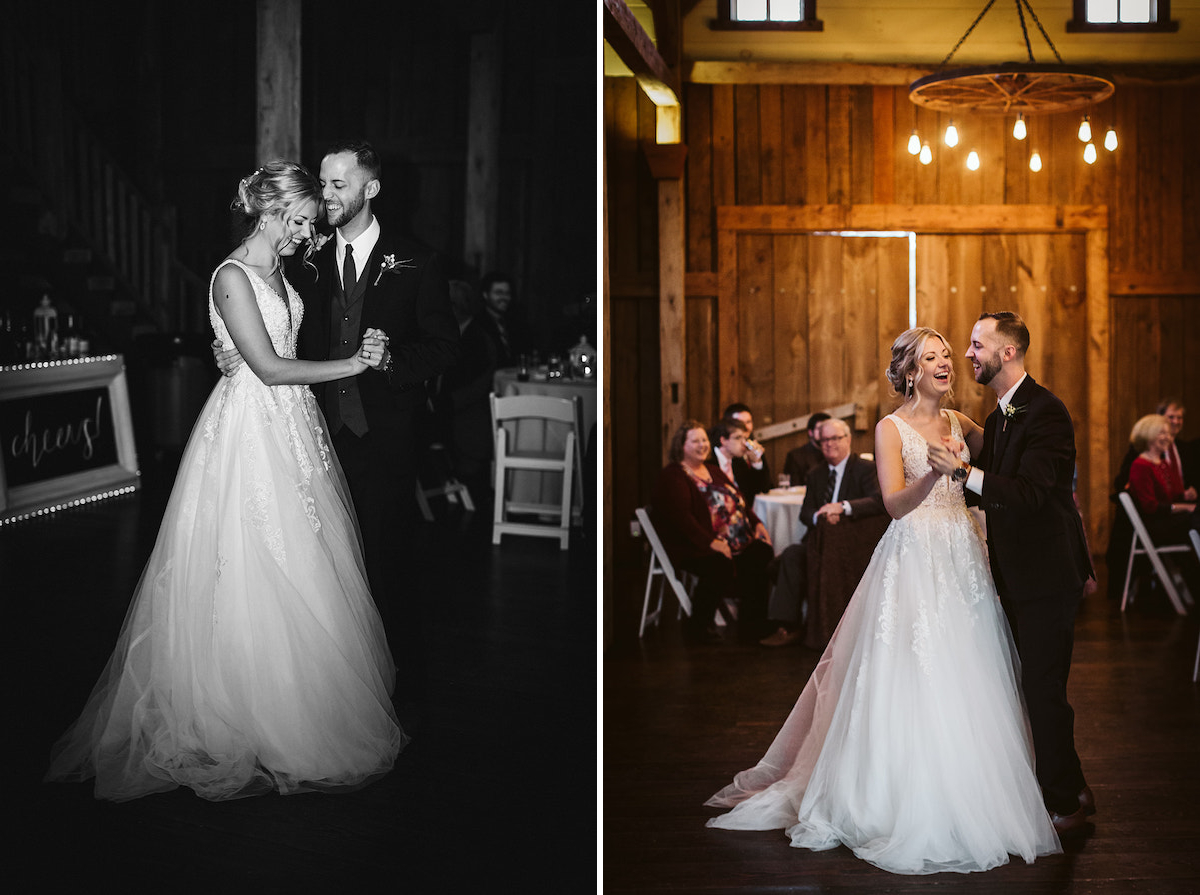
(724, 461)
(363, 244)
(1007, 397)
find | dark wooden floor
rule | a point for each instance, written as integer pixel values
(680, 721)
(497, 789)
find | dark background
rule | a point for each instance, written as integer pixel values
(169, 89)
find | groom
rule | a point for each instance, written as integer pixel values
(369, 277)
(1039, 557)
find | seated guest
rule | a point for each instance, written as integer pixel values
(844, 486)
(1155, 482)
(1184, 454)
(804, 459)
(708, 530)
(728, 441)
(1173, 410)
(752, 473)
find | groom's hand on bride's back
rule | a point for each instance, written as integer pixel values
(227, 359)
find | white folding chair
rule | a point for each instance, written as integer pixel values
(549, 457)
(451, 489)
(1142, 537)
(662, 571)
(1195, 536)
(681, 584)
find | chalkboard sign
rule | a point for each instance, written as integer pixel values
(55, 434)
(65, 435)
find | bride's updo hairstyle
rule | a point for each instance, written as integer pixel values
(276, 188)
(904, 372)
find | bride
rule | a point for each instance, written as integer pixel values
(910, 743)
(252, 657)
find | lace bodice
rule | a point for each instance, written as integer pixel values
(914, 450)
(282, 326)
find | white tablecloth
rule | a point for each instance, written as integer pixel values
(780, 513)
(531, 486)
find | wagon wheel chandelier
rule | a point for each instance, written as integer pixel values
(1011, 88)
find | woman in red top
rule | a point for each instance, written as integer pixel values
(1156, 483)
(707, 529)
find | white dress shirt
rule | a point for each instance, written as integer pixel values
(363, 246)
(839, 472)
(974, 481)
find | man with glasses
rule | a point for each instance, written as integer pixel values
(844, 486)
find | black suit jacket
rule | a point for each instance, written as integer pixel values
(750, 481)
(1035, 535)
(801, 461)
(860, 487)
(410, 303)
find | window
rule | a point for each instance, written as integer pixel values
(1122, 15)
(767, 15)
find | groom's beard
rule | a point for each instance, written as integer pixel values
(987, 371)
(348, 212)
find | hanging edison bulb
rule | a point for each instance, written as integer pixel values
(1035, 162)
(914, 143)
(1085, 130)
(1110, 140)
(973, 160)
(1089, 153)
(1019, 130)
(926, 154)
(951, 135)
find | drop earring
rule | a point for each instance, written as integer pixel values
(262, 225)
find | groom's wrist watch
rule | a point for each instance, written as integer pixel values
(960, 474)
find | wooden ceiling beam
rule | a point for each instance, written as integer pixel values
(636, 50)
(733, 72)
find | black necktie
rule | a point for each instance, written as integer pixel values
(348, 274)
(827, 494)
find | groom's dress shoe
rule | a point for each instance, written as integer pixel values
(1087, 802)
(782, 637)
(1069, 824)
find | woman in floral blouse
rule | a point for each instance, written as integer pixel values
(708, 530)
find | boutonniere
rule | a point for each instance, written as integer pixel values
(1011, 412)
(389, 264)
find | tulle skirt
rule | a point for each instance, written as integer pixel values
(252, 657)
(910, 742)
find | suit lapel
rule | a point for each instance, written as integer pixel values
(1008, 427)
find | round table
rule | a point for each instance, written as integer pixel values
(779, 510)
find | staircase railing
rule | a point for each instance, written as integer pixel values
(87, 187)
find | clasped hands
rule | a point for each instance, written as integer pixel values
(374, 350)
(720, 545)
(832, 512)
(945, 457)
(374, 353)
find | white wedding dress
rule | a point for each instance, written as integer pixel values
(252, 657)
(910, 742)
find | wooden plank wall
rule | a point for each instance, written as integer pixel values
(818, 145)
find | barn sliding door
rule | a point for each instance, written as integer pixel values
(806, 317)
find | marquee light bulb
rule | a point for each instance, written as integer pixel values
(914, 144)
(973, 160)
(926, 154)
(1035, 162)
(1085, 130)
(1110, 140)
(1019, 129)
(1089, 153)
(951, 135)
